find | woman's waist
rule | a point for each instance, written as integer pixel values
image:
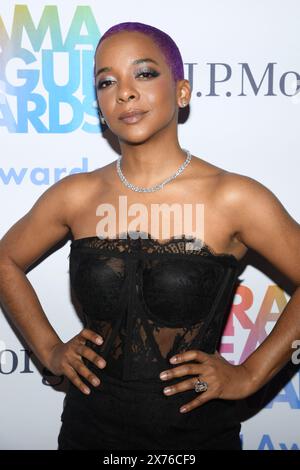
(139, 368)
(114, 373)
(144, 398)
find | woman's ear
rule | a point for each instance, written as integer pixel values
(101, 117)
(183, 93)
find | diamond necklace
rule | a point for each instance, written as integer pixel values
(157, 186)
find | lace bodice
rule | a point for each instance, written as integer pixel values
(150, 299)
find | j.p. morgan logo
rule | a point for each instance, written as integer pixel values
(269, 81)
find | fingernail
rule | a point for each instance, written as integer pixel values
(173, 359)
(86, 390)
(99, 340)
(163, 375)
(183, 410)
(167, 390)
(96, 381)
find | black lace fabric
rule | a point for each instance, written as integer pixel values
(150, 299)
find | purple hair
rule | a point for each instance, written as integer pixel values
(165, 43)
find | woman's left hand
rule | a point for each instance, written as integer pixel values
(224, 380)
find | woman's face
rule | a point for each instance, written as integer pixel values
(146, 86)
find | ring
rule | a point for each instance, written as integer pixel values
(201, 385)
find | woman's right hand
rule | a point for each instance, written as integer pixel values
(66, 359)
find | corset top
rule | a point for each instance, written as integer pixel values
(150, 300)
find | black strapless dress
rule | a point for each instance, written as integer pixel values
(149, 300)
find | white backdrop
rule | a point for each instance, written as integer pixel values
(248, 124)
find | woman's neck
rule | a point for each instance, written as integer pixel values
(145, 165)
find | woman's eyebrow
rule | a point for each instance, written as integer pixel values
(137, 61)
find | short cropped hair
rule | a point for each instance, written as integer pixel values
(165, 43)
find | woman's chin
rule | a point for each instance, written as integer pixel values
(139, 138)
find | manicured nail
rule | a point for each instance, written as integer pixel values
(183, 410)
(99, 340)
(163, 375)
(173, 359)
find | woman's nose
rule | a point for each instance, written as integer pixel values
(125, 97)
(126, 92)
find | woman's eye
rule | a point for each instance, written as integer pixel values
(148, 73)
(103, 82)
(144, 74)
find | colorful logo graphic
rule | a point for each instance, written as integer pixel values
(31, 95)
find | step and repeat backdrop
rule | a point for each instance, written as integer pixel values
(242, 60)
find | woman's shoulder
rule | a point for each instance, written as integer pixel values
(229, 188)
(202, 167)
(82, 184)
(239, 187)
(237, 193)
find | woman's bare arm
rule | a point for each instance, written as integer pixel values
(26, 241)
(264, 224)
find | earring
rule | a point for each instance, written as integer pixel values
(183, 104)
(101, 117)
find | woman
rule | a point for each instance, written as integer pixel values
(155, 303)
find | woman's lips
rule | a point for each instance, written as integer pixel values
(134, 118)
